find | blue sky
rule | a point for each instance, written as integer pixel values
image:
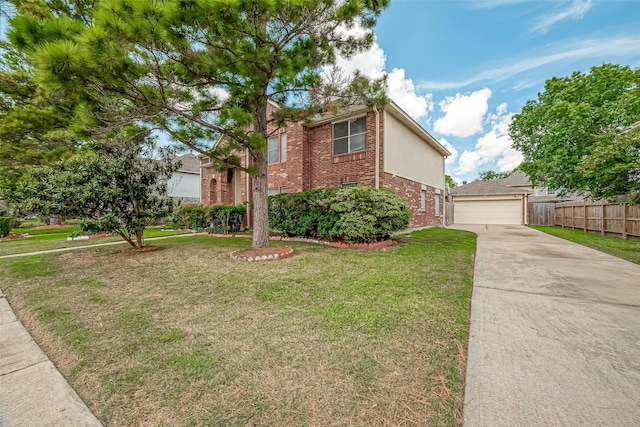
(463, 68)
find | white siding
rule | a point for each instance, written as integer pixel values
(408, 156)
(184, 185)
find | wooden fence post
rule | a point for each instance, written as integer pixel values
(602, 222)
(624, 221)
(584, 224)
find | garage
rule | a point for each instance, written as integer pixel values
(487, 202)
(488, 211)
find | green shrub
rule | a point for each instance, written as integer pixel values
(349, 214)
(366, 215)
(5, 226)
(193, 217)
(226, 219)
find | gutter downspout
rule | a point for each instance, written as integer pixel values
(246, 202)
(377, 168)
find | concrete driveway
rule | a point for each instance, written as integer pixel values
(555, 333)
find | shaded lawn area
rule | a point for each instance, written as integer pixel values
(183, 336)
(626, 249)
(56, 238)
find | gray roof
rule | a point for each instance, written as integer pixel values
(190, 163)
(486, 188)
(516, 179)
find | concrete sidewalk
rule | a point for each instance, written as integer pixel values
(32, 391)
(555, 333)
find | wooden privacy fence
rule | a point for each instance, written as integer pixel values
(606, 218)
(541, 213)
(448, 211)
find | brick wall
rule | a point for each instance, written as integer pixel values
(411, 192)
(326, 170)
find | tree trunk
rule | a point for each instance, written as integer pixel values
(260, 184)
(140, 238)
(260, 204)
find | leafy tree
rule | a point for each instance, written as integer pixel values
(613, 167)
(570, 121)
(488, 175)
(115, 187)
(450, 182)
(201, 70)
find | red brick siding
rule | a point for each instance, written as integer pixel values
(411, 192)
(327, 170)
(290, 174)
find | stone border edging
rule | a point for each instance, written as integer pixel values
(235, 256)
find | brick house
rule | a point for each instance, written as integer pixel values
(381, 149)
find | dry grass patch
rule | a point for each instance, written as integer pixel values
(182, 336)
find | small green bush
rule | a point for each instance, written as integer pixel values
(226, 219)
(349, 214)
(5, 226)
(193, 217)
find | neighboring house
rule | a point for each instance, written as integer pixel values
(500, 201)
(382, 148)
(3, 208)
(184, 185)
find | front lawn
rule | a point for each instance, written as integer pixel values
(183, 336)
(626, 249)
(41, 239)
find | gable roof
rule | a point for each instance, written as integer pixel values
(486, 188)
(393, 109)
(516, 179)
(190, 163)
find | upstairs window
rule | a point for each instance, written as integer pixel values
(283, 147)
(350, 136)
(277, 149)
(272, 150)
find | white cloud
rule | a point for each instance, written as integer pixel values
(492, 146)
(576, 10)
(463, 113)
(403, 92)
(454, 153)
(600, 49)
(371, 63)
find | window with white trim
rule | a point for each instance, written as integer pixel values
(283, 147)
(283, 190)
(272, 150)
(277, 149)
(423, 200)
(272, 191)
(437, 206)
(350, 136)
(348, 184)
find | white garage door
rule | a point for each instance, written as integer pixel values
(487, 211)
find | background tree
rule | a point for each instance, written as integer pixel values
(116, 186)
(488, 175)
(450, 182)
(613, 167)
(569, 121)
(205, 69)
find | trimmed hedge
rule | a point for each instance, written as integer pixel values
(5, 226)
(192, 217)
(226, 219)
(222, 219)
(347, 214)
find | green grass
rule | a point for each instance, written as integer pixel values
(56, 238)
(626, 249)
(182, 336)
